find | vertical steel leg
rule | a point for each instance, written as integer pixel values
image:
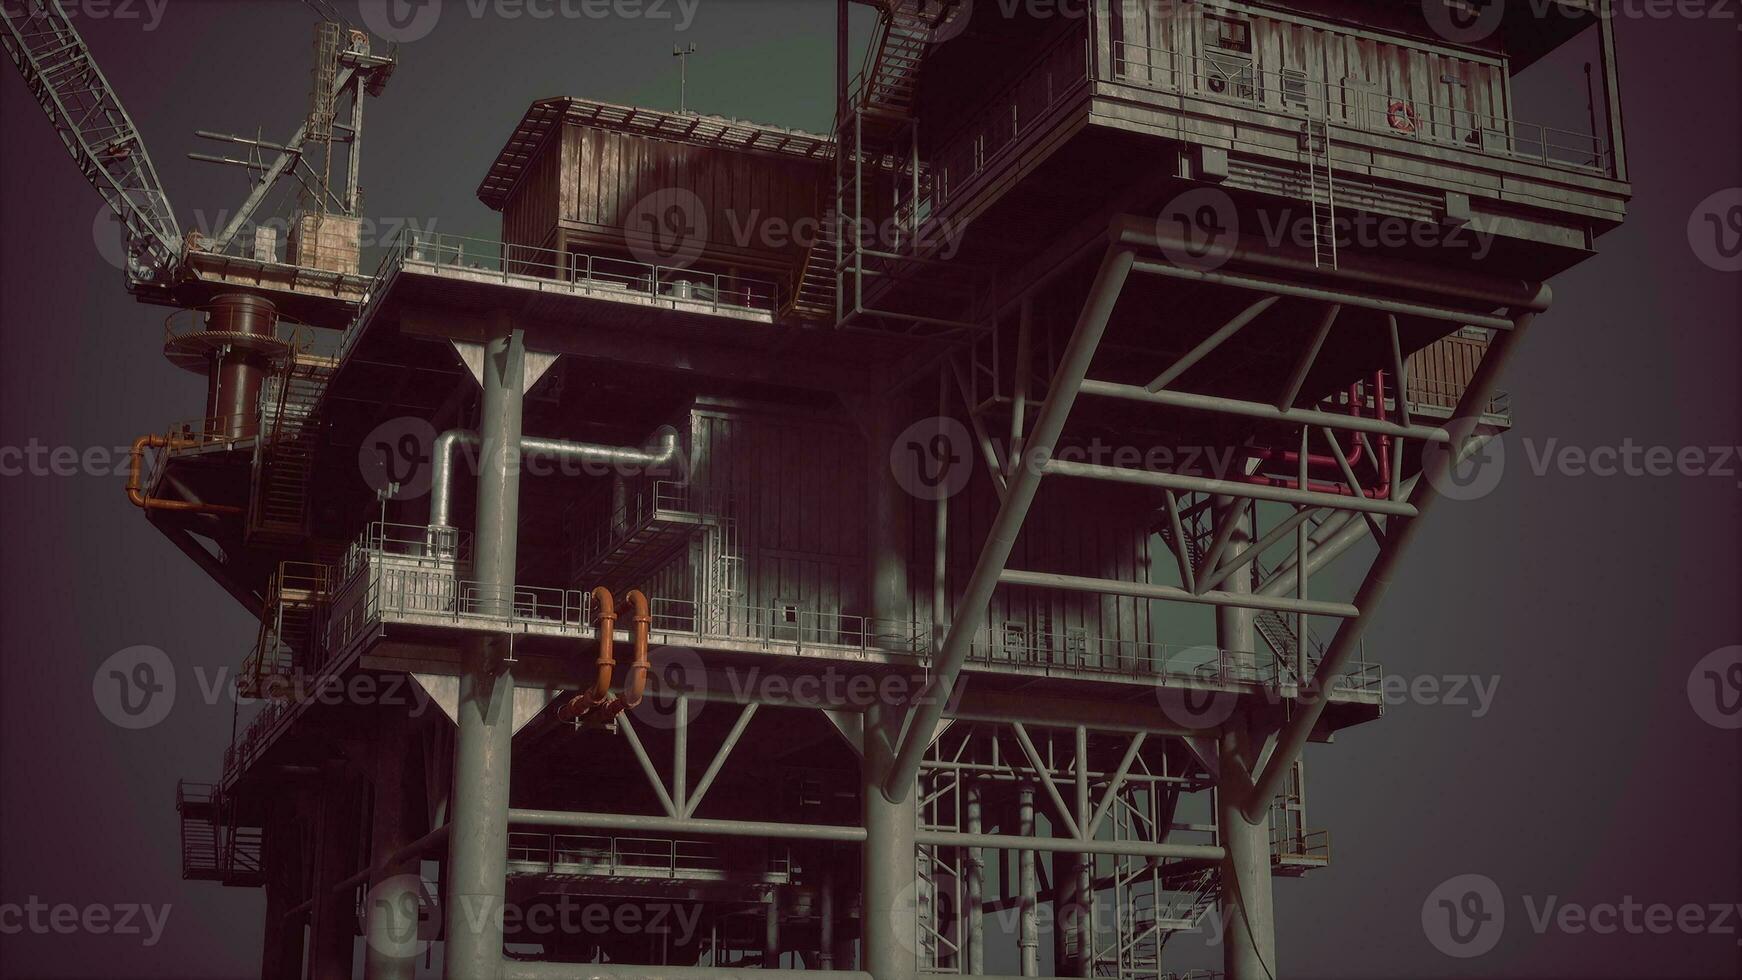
(478, 844)
(1248, 924)
(333, 923)
(281, 950)
(891, 923)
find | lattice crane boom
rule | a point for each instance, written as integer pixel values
(94, 127)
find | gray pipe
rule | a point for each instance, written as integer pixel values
(441, 484)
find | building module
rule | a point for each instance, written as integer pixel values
(902, 550)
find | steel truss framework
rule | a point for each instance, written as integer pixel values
(948, 787)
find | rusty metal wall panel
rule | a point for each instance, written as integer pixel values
(529, 218)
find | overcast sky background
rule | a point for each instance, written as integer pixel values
(1591, 779)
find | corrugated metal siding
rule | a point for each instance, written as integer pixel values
(1075, 527)
(1439, 372)
(796, 490)
(614, 171)
(530, 215)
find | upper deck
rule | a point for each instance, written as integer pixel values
(1377, 118)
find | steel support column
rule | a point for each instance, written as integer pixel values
(1001, 538)
(1248, 924)
(332, 922)
(281, 848)
(478, 845)
(889, 869)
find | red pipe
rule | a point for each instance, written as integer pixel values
(1321, 460)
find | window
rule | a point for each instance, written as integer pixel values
(1228, 34)
(1294, 88)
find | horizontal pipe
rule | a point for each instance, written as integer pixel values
(1322, 295)
(1265, 412)
(1145, 590)
(441, 483)
(136, 486)
(1232, 488)
(685, 825)
(534, 970)
(1070, 845)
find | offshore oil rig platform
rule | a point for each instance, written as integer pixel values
(939, 592)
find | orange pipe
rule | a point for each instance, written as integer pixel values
(136, 489)
(606, 622)
(638, 670)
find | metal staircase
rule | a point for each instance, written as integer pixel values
(284, 456)
(1295, 850)
(813, 297)
(290, 630)
(892, 72)
(212, 847)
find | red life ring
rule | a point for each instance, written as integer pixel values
(1401, 115)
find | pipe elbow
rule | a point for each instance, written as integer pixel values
(637, 603)
(600, 691)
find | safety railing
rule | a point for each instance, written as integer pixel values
(1056, 73)
(1300, 845)
(1234, 79)
(645, 857)
(507, 261)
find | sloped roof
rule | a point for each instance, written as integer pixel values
(547, 115)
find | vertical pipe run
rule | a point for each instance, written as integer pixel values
(975, 859)
(478, 846)
(1028, 936)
